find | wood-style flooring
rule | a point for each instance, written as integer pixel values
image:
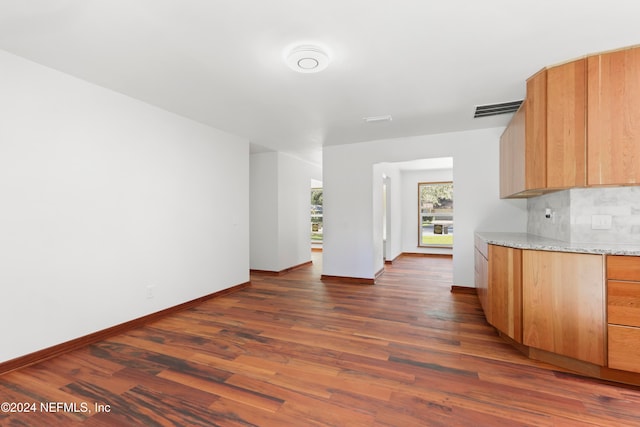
(292, 350)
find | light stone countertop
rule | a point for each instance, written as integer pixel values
(531, 241)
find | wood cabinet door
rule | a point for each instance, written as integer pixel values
(536, 132)
(566, 125)
(620, 267)
(563, 304)
(512, 154)
(623, 303)
(482, 283)
(505, 290)
(624, 348)
(613, 118)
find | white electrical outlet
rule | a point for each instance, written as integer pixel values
(150, 291)
(601, 222)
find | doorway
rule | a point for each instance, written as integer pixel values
(400, 219)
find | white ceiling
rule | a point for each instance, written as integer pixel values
(425, 164)
(426, 63)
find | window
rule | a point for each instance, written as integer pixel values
(316, 215)
(435, 214)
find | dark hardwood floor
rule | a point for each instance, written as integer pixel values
(294, 351)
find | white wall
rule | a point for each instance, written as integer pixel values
(378, 207)
(394, 208)
(351, 215)
(280, 186)
(410, 180)
(347, 246)
(294, 183)
(264, 211)
(102, 196)
(394, 243)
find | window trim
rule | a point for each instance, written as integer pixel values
(321, 216)
(432, 245)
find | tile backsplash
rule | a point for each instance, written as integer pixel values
(557, 227)
(573, 211)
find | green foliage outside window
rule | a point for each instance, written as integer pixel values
(435, 213)
(316, 214)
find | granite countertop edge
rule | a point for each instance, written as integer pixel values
(531, 241)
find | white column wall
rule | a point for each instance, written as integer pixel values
(395, 208)
(103, 196)
(377, 206)
(294, 183)
(280, 210)
(347, 248)
(264, 229)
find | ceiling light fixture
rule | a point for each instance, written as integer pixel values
(375, 119)
(307, 59)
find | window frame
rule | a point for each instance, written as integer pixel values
(420, 231)
(317, 215)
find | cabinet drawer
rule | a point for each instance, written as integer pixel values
(623, 267)
(623, 303)
(624, 348)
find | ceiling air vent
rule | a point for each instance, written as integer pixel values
(495, 109)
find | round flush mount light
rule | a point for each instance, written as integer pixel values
(307, 59)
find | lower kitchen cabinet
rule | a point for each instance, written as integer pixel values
(482, 276)
(579, 311)
(564, 304)
(505, 288)
(623, 312)
(624, 347)
(498, 282)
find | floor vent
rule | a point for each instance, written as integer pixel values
(496, 109)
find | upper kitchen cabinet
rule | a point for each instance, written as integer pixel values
(544, 147)
(613, 120)
(512, 156)
(522, 145)
(535, 128)
(566, 128)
